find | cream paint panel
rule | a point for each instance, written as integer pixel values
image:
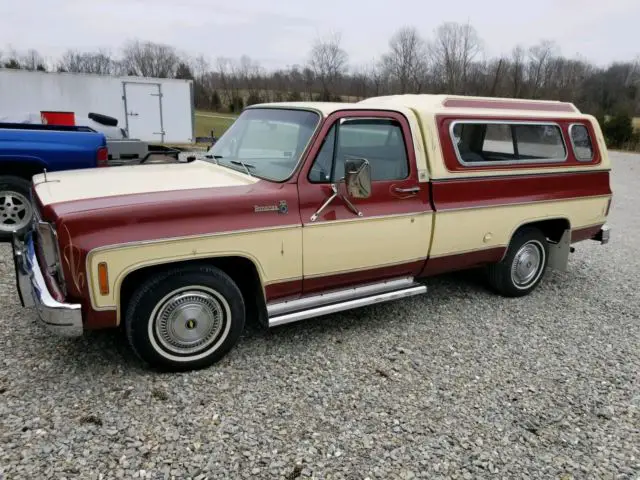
(82, 184)
(343, 246)
(277, 253)
(465, 230)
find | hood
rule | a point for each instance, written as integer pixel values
(85, 184)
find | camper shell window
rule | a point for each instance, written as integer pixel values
(479, 142)
(581, 142)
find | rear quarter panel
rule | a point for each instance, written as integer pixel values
(479, 208)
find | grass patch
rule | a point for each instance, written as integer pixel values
(206, 124)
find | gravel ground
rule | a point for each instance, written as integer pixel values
(458, 383)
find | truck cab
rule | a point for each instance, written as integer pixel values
(303, 209)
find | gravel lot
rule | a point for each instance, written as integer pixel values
(458, 383)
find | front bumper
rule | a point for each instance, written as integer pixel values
(63, 319)
(603, 234)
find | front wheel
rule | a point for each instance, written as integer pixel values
(524, 265)
(186, 318)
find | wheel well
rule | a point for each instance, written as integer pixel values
(552, 229)
(24, 170)
(241, 270)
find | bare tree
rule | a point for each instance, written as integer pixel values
(309, 79)
(406, 63)
(454, 48)
(250, 73)
(32, 60)
(328, 61)
(496, 76)
(539, 58)
(358, 83)
(378, 78)
(99, 62)
(148, 59)
(517, 71)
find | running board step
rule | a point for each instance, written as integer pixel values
(325, 304)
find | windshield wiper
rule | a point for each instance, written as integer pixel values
(215, 157)
(245, 165)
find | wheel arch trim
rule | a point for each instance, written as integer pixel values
(168, 263)
(531, 222)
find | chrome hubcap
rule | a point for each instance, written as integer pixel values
(527, 264)
(189, 321)
(15, 211)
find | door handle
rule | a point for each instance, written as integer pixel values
(406, 190)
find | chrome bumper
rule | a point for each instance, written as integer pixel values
(603, 235)
(63, 319)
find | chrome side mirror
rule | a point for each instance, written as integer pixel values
(357, 176)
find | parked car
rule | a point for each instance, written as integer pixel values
(28, 149)
(305, 209)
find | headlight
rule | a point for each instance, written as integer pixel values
(47, 240)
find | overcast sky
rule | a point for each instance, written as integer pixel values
(279, 32)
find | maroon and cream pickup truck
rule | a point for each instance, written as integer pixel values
(306, 209)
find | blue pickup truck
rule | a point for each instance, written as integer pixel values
(26, 150)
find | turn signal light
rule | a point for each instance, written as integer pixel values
(103, 278)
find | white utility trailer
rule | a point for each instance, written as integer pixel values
(155, 110)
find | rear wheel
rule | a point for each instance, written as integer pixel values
(524, 265)
(16, 210)
(185, 319)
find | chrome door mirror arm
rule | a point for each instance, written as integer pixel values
(334, 189)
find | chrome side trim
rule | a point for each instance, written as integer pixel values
(471, 250)
(347, 305)
(306, 303)
(490, 174)
(191, 237)
(516, 204)
(427, 211)
(283, 280)
(363, 269)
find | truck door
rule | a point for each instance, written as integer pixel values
(143, 111)
(390, 235)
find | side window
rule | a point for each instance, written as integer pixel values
(498, 143)
(581, 141)
(380, 141)
(321, 169)
(540, 142)
(489, 143)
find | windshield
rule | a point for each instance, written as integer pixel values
(266, 142)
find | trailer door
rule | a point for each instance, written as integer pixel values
(143, 110)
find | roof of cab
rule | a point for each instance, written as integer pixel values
(442, 104)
